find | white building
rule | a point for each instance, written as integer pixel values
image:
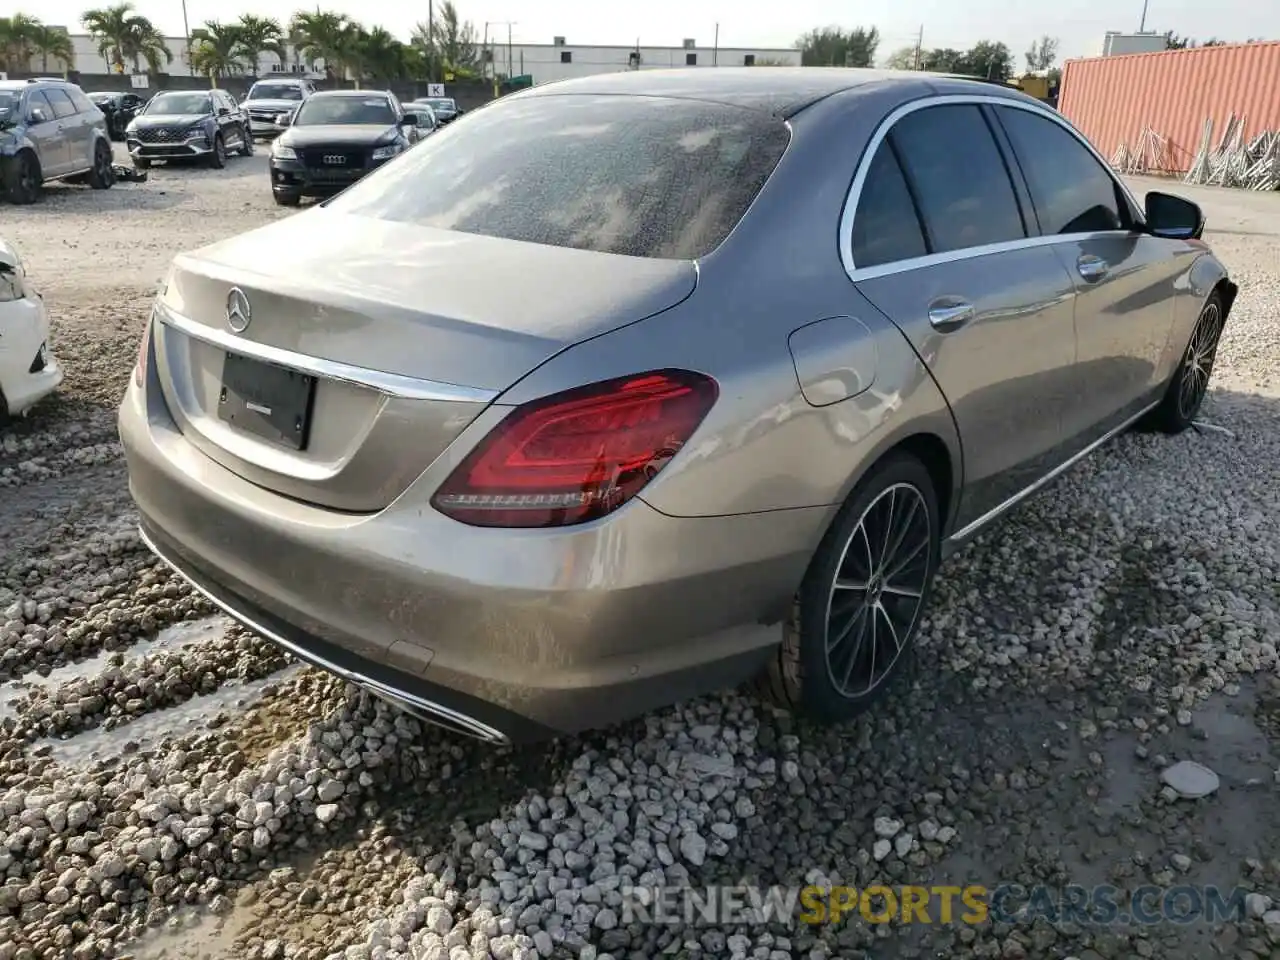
(544, 61)
(560, 60)
(1117, 44)
(89, 60)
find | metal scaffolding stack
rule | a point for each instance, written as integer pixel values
(1234, 163)
(1150, 155)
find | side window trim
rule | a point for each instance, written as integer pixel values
(1017, 176)
(882, 131)
(912, 192)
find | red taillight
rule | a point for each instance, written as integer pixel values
(577, 455)
(140, 368)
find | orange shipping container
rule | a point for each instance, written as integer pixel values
(1112, 99)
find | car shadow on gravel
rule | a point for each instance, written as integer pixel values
(1052, 777)
(72, 199)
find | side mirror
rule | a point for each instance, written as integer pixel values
(38, 116)
(224, 111)
(1172, 217)
(410, 120)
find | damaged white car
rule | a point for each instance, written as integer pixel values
(28, 370)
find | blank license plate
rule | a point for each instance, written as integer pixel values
(270, 402)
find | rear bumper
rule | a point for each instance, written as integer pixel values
(27, 373)
(505, 634)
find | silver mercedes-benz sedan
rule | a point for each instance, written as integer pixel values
(623, 389)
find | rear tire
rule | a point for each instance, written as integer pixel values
(22, 180)
(862, 598)
(246, 143)
(1185, 394)
(103, 174)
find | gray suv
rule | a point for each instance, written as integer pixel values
(49, 130)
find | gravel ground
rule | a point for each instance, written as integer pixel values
(170, 786)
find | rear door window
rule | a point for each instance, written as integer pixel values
(1071, 191)
(886, 227)
(959, 177)
(61, 103)
(641, 176)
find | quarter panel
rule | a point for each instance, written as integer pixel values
(835, 359)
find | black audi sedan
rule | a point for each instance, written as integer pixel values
(333, 139)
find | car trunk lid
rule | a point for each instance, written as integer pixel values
(408, 332)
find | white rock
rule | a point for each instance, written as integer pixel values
(886, 827)
(1190, 780)
(325, 812)
(881, 849)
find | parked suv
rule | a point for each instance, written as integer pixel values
(188, 124)
(334, 139)
(269, 99)
(119, 109)
(49, 130)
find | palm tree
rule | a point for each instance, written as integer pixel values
(113, 27)
(53, 43)
(148, 43)
(17, 41)
(259, 34)
(383, 55)
(322, 35)
(215, 49)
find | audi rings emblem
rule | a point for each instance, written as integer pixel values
(335, 159)
(238, 312)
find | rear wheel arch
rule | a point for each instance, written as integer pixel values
(936, 445)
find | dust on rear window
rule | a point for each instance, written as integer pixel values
(641, 176)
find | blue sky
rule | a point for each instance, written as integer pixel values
(1079, 24)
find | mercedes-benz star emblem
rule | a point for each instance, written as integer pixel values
(238, 312)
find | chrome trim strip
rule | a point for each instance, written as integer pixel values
(951, 256)
(450, 719)
(962, 535)
(391, 384)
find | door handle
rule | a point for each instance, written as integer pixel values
(950, 313)
(1091, 267)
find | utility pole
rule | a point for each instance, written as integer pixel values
(510, 62)
(431, 41)
(186, 31)
(915, 61)
(1142, 24)
(715, 49)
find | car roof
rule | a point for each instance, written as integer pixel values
(353, 93)
(33, 84)
(783, 91)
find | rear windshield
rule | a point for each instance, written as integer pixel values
(641, 176)
(274, 91)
